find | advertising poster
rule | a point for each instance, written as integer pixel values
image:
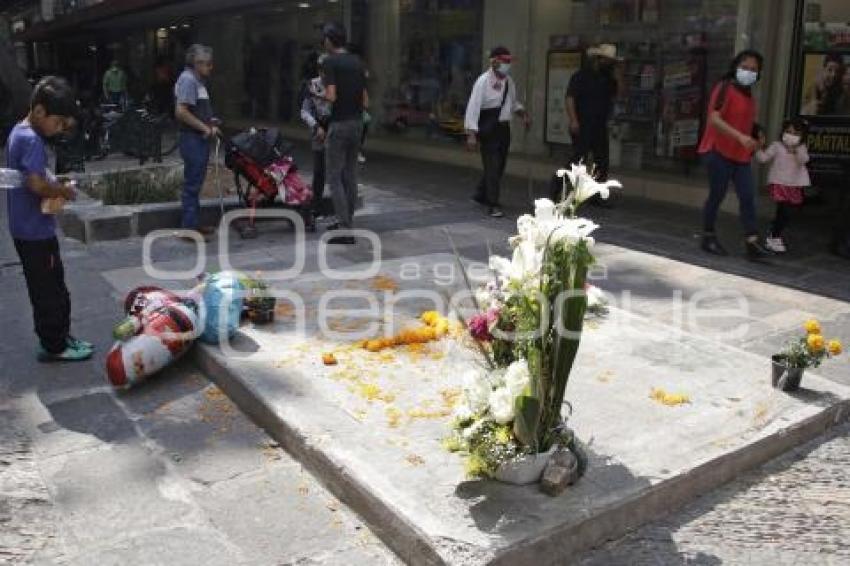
(825, 102)
(560, 68)
(825, 85)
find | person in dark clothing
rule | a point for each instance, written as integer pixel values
(491, 105)
(33, 230)
(840, 244)
(315, 113)
(345, 89)
(590, 101)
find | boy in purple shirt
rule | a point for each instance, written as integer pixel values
(52, 111)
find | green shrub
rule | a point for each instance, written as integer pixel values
(160, 184)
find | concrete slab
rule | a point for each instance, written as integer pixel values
(371, 426)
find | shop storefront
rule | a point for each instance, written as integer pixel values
(821, 85)
(431, 51)
(424, 55)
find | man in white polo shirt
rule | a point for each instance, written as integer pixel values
(488, 125)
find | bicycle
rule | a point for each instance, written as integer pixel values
(138, 132)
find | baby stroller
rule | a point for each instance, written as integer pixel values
(263, 170)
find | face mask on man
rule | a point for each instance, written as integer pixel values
(791, 140)
(746, 77)
(504, 68)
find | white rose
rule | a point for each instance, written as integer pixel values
(496, 378)
(476, 390)
(463, 412)
(595, 296)
(526, 227)
(502, 405)
(484, 298)
(517, 377)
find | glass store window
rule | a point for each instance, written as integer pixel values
(439, 58)
(277, 41)
(673, 52)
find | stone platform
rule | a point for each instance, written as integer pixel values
(371, 426)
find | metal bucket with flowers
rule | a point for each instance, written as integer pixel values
(806, 352)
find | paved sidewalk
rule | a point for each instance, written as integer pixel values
(171, 473)
(794, 510)
(100, 478)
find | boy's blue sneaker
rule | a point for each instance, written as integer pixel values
(79, 343)
(70, 354)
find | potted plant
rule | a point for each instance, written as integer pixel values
(797, 355)
(527, 325)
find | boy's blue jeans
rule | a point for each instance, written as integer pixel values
(720, 172)
(195, 152)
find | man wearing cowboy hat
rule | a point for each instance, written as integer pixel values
(488, 125)
(590, 101)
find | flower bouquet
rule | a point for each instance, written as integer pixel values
(797, 355)
(527, 325)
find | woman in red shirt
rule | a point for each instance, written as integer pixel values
(728, 143)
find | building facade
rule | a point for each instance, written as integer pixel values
(424, 55)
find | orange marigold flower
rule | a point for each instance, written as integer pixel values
(329, 359)
(815, 342)
(834, 347)
(812, 326)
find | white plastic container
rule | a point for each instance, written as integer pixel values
(10, 178)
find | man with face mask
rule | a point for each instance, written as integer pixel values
(488, 125)
(590, 101)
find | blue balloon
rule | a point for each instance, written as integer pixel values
(223, 298)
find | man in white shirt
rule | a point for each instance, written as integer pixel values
(488, 125)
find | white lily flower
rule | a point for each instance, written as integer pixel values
(544, 210)
(573, 230)
(585, 186)
(501, 404)
(527, 261)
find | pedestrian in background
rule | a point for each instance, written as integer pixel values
(316, 114)
(730, 138)
(367, 118)
(115, 85)
(786, 178)
(491, 105)
(345, 89)
(194, 112)
(52, 111)
(590, 101)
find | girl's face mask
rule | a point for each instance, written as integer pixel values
(791, 140)
(504, 68)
